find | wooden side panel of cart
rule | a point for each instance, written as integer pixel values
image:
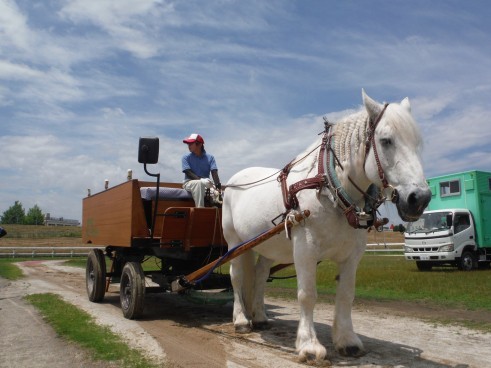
(116, 216)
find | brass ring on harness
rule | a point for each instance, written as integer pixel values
(394, 195)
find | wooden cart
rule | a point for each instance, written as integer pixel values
(133, 223)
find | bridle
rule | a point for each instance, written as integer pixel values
(370, 142)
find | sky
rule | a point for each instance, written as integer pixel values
(82, 80)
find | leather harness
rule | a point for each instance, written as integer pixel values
(356, 217)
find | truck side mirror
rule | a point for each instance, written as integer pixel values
(148, 150)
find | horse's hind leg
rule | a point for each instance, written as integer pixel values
(345, 340)
(259, 317)
(242, 277)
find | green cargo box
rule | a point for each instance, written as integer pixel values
(470, 190)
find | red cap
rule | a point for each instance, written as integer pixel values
(194, 138)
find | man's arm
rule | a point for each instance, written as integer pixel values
(190, 174)
(216, 179)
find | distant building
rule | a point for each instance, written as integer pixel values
(59, 221)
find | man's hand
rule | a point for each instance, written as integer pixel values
(207, 182)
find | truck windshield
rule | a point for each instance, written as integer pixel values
(429, 222)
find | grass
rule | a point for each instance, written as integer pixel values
(381, 277)
(394, 278)
(79, 327)
(8, 269)
(41, 231)
(378, 278)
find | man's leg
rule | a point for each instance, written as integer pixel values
(197, 190)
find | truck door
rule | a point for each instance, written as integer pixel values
(463, 231)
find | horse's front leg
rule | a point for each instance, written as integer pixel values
(345, 340)
(307, 345)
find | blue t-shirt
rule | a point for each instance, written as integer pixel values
(200, 165)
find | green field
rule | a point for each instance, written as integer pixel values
(379, 277)
(41, 236)
(41, 232)
(393, 278)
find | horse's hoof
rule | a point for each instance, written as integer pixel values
(243, 329)
(261, 326)
(309, 359)
(352, 351)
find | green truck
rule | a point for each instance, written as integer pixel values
(455, 229)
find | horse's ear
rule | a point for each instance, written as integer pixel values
(372, 106)
(405, 103)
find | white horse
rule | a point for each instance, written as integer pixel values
(379, 145)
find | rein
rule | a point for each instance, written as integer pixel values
(371, 143)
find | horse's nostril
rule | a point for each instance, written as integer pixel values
(412, 199)
(419, 199)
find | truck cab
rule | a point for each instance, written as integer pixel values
(442, 237)
(455, 229)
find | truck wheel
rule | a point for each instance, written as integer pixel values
(95, 275)
(424, 266)
(132, 290)
(467, 261)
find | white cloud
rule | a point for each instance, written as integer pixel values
(129, 23)
(13, 25)
(81, 80)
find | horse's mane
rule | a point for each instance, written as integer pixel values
(350, 135)
(350, 127)
(350, 132)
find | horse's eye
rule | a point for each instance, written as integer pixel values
(386, 142)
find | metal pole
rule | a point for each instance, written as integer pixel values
(187, 281)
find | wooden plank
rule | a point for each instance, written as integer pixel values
(174, 229)
(114, 216)
(204, 228)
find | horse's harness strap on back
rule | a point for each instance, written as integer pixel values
(290, 199)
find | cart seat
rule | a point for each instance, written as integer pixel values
(165, 193)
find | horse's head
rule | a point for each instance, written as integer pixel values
(393, 158)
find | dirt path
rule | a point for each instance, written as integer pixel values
(183, 334)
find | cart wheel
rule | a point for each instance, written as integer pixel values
(95, 275)
(132, 290)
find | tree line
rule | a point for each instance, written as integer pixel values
(17, 215)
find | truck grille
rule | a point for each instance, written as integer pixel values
(425, 249)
